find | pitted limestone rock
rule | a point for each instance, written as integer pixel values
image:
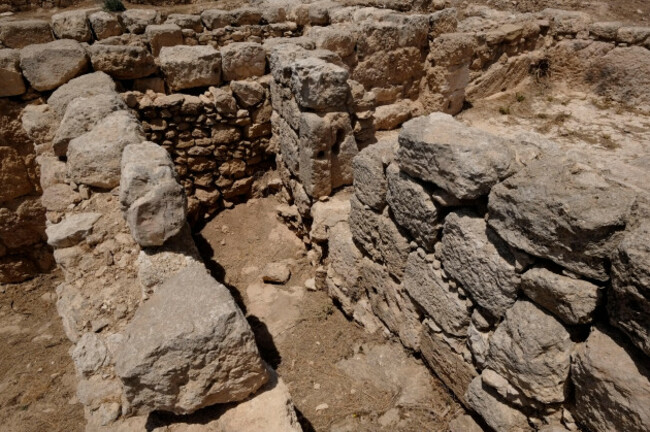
(19, 34)
(137, 20)
(84, 86)
(105, 24)
(50, 65)
(190, 66)
(241, 60)
(72, 25)
(153, 201)
(370, 185)
(122, 61)
(189, 346)
(462, 160)
(71, 230)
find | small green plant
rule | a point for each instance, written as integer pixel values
(520, 97)
(114, 6)
(504, 110)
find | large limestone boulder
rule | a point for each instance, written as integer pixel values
(612, 385)
(532, 350)
(84, 86)
(412, 206)
(19, 34)
(186, 21)
(629, 299)
(72, 25)
(243, 60)
(319, 85)
(573, 301)
(137, 20)
(188, 347)
(122, 61)
(11, 77)
(163, 35)
(94, 157)
(480, 261)
(105, 24)
(426, 286)
(190, 66)
(464, 161)
(564, 211)
(82, 115)
(50, 65)
(153, 201)
(497, 414)
(370, 185)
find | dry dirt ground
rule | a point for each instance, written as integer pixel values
(37, 380)
(340, 377)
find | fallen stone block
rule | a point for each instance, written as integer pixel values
(84, 86)
(532, 350)
(137, 20)
(573, 301)
(388, 117)
(11, 77)
(94, 157)
(611, 385)
(464, 161)
(105, 25)
(163, 35)
(277, 273)
(248, 93)
(241, 60)
(50, 65)
(71, 230)
(190, 66)
(122, 61)
(188, 347)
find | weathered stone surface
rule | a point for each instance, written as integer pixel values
(370, 185)
(498, 415)
(462, 160)
(151, 197)
(82, 115)
(563, 211)
(443, 355)
(425, 285)
(190, 66)
(480, 261)
(216, 18)
(163, 35)
(90, 354)
(611, 385)
(319, 85)
(343, 271)
(11, 78)
(40, 122)
(187, 347)
(566, 22)
(412, 206)
(59, 196)
(340, 39)
(464, 423)
(50, 65)
(278, 273)
(105, 24)
(94, 157)
(122, 61)
(84, 86)
(532, 350)
(71, 230)
(326, 215)
(573, 301)
(378, 236)
(241, 60)
(186, 21)
(19, 34)
(72, 25)
(137, 20)
(629, 299)
(248, 93)
(388, 117)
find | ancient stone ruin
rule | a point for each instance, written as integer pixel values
(516, 266)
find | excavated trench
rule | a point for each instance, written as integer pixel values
(475, 265)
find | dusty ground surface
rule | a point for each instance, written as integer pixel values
(37, 380)
(340, 377)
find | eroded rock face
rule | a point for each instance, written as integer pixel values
(50, 65)
(105, 24)
(243, 60)
(167, 331)
(11, 78)
(465, 162)
(151, 197)
(629, 298)
(611, 384)
(370, 184)
(72, 25)
(122, 61)
(190, 66)
(496, 413)
(19, 34)
(532, 350)
(563, 211)
(94, 157)
(71, 230)
(480, 261)
(84, 86)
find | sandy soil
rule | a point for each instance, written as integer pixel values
(341, 378)
(37, 381)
